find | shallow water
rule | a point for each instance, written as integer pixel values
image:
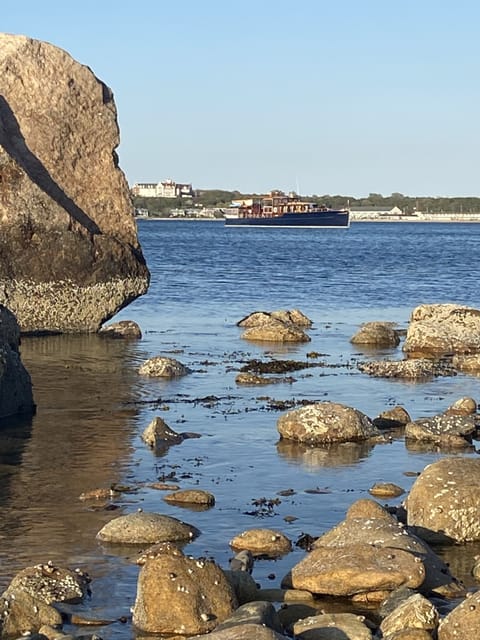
(93, 406)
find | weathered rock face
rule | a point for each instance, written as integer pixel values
(443, 502)
(452, 430)
(463, 621)
(15, 383)
(69, 253)
(443, 328)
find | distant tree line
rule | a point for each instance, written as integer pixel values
(213, 198)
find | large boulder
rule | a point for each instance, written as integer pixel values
(443, 329)
(443, 503)
(324, 423)
(69, 252)
(15, 384)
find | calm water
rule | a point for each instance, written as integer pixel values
(93, 406)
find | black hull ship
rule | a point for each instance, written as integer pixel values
(280, 210)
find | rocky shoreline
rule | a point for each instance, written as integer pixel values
(374, 574)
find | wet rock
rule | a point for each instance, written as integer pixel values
(21, 612)
(191, 496)
(140, 528)
(467, 364)
(443, 329)
(392, 418)
(332, 626)
(124, 329)
(262, 542)
(453, 430)
(163, 367)
(244, 632)
(285, 595)
(245, 587)
(101, 493)
(182, 595)
(275, 326)
(275, 331)
(258, 612)
(159, 434)
(51, 633)
(414, 369)
(386, 490)
(253, 379)
(369, 523)
(357, 568)
(242, 561)
(325, 423)
(69, 252)
(465, 406)
(443, 501)
(414, 613)
(381, 334)
(463, 621)
(16, 396)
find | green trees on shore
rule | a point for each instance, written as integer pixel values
(213, 198)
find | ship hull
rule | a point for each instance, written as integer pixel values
(329, 219)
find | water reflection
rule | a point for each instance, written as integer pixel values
(79, 439)
(344, 453)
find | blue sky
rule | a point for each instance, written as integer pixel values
(340, 97)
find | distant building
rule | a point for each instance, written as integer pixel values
(369, 212)
(164, 189)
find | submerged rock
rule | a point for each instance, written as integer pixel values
(163, 367)
(69, 252)
(409, 369)
(381, 334)
(124, 329)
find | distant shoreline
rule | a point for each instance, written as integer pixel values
(429, 220)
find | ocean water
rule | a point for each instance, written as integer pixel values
(93, 406)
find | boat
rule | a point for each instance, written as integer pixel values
(280, 210)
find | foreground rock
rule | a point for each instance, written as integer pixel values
(163, 367)
(325, 423)
(141, 528)
(16, 395)
(182, 595)
(379, 334)
(276, 326)
(69, 252)
(443, 329)
(367, 523)
(26, 603)
(463, 622)
(346, 626)
(443, 502)
(416, 612)
(408, 369)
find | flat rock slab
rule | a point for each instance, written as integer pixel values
(141, 528)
